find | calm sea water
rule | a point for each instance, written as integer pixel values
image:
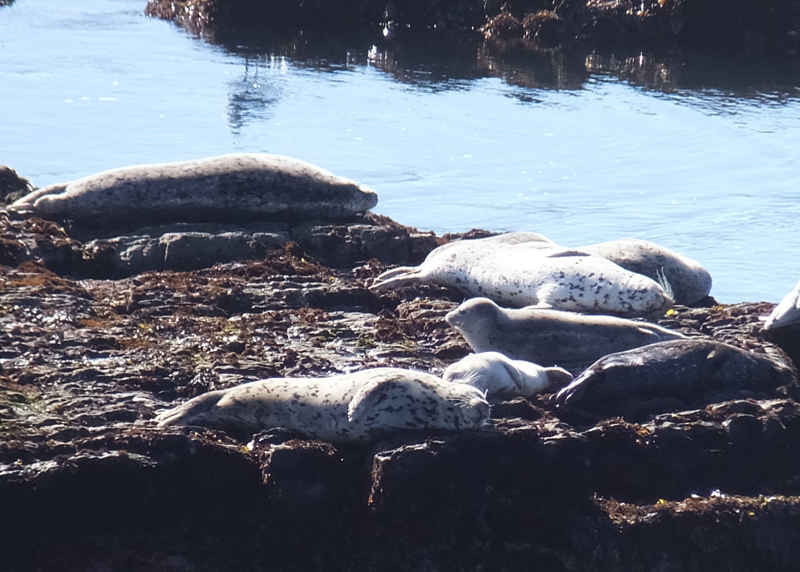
(699, 154)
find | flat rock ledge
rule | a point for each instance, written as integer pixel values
(93, 346)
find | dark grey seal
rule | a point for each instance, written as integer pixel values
(230, 188)
(549, 337)
(674, 375)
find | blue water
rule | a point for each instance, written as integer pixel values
(709, 164)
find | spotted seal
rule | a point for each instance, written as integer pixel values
(690, 282)
(499, 376)
(229, 188)
(549, 337)
(351, 407)
(518, 271)
(674, 375)
(787, 312)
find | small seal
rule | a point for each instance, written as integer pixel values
(498, 376)
(690, 282)
(672, 376)
(229, 188)
(549, 337)
(787, 312)
(351, 407)
(518, 270)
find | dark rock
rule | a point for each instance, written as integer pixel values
(12, 186)
(87, 363)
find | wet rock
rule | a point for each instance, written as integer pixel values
(12, 186)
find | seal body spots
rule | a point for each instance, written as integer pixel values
(690, 282)
(549, 337)
(228, 188)
(498, 376)
(352, 407)
(521, 272)
(787, 312)
(671, 375)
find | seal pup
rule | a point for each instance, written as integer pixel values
(229, 188)
(690, 282)
(539, 273)
(499, 376)
(673, 375)
(787, 312)
(351, 407)
(549, 337)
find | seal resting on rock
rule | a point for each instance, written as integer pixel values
(517, 270)
(499, 376)
(352, 407)
(690, 282)
(228, 188)
(674, 375)
(549, 337)
(787, 312)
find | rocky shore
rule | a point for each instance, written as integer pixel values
(715, 24)
(101, 333)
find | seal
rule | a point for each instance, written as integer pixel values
(787, 312)
(690, 282)
(358, 406)
(517, 271)
(674, 375)
(550, 337)
(229, 188)
(498, 376)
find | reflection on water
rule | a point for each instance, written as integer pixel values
(696, 152)
(252, 95)
(437, 63)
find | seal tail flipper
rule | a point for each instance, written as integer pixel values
(27, 205)
(558, 376)
(186, 413)
(569, 396)
(400, 276)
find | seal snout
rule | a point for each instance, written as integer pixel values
(454, 318)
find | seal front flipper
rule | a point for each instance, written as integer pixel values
(558, 377)
(369, 395)
(400, 276)
(192, 411)
(568, 252)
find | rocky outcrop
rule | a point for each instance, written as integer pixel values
(716, 24)
(89, 357)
